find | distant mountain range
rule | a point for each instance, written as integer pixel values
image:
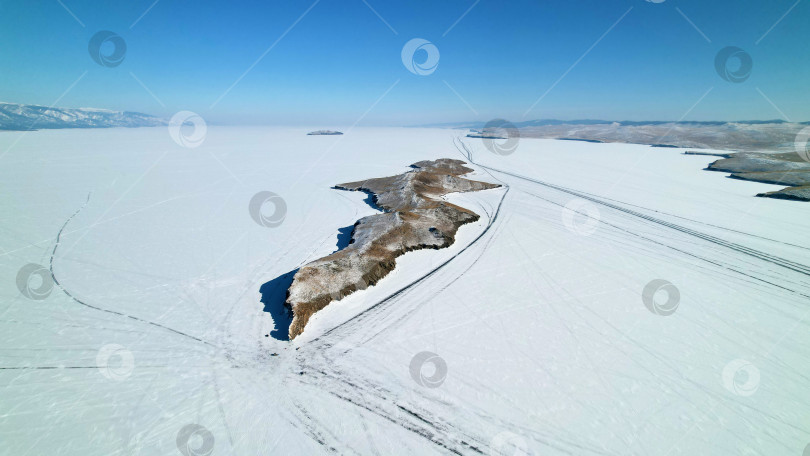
(32, 117)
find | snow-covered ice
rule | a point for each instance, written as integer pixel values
(538, 335)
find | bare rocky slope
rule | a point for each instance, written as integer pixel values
(781, 169)
(415, 217)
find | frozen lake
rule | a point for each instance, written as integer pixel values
(542, 338)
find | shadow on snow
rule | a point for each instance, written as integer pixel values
(274, 293)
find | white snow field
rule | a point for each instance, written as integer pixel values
(540, 340)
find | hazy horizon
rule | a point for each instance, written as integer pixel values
(449, 124)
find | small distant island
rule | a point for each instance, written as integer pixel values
(485, 135)
(324, 133)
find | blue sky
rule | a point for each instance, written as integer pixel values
(341, 61)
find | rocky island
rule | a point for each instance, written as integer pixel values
(324, 133)
(414, 217)
(484, 135)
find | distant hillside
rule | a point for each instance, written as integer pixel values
(621, 123)
(748, 136)
(32, 117)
